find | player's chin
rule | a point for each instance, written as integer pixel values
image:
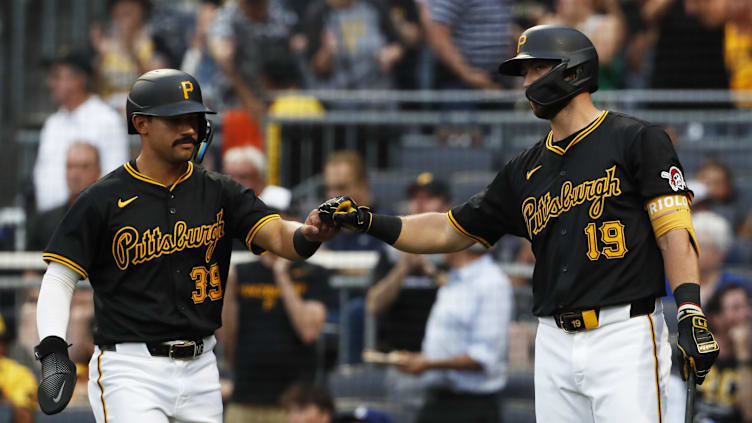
(183, 152)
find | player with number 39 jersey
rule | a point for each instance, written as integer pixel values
(154, 238)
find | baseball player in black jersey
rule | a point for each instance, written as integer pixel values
(603, 200)
(154, 239)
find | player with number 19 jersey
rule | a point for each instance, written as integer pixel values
(582, 202)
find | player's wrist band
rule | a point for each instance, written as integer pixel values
(49, 345)
(302, 245)
(385, 228)
(687, 296)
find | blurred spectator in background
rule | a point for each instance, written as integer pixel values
(81, 337)
(690, 33)
(125, 49)
(464, 354)
(352, 44)
(308, 403)
(603, 22)
(469, 38)
(406, 20)
(404, 289)
(405, 285)
(246, 166)
(718, 178)
(82, 168)
(243, 34)
(198, 60)
(273, 315)
(82, 116)
(726, 394)
(345, 173)
(738, 46)
(714, 237)
(18, 386)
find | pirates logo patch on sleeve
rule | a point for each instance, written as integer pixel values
(675, 178)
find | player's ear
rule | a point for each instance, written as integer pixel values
(141, 122)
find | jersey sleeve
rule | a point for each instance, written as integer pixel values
(77, 239)
(249, 214)
(656, 165)
(491, 213)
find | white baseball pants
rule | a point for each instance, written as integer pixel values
(129, 385)
(617, 372)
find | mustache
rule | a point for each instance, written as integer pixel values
(183, 140)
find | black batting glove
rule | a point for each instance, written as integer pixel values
(342, 211)
(58, 375)
(696, 343)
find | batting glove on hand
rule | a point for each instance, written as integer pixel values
(343, 212)
(58, 375)
(696, 343)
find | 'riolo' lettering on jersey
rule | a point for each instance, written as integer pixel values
(130, 247)
(538, 211)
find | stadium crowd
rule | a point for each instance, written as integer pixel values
(279, 346)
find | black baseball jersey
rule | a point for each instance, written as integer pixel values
(581, 202)
(157, 256)
(271, 356)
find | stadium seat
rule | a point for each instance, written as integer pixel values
(442, 160)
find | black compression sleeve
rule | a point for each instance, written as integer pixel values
(385, 228)
(303, 246)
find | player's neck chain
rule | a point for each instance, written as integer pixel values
(538, 211)
(130, 247)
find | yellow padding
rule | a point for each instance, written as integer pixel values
(676, 219)
(591, 320)
(345, 207)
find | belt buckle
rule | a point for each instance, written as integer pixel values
(567, 315)
(196, 351)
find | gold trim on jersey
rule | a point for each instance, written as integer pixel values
(48, 257)
(254, 230)
(140, 176)
(585, 132)
(99, 382)
(657, 370)
(131, 247)
(538, 211)
(462, 230)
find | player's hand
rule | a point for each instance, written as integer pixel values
(315, 229)
(413, 363)
(58, 375)
(697, 345)
(342, 211)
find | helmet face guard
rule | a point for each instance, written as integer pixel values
(552, 91)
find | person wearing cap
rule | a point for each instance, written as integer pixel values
(273, 316)
(154, 239)
(404, 285)
(82, 116)
(18, 385)
(603, 201)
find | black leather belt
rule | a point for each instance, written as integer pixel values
(577, 321)
(179, 351)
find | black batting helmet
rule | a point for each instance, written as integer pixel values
(576, 56)
(169, 92)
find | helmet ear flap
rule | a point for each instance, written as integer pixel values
(205, 137)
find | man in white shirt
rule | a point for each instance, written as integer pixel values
(82, 116)
(463, 359)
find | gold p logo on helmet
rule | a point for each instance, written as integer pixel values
(523, 39)
(187, 87)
